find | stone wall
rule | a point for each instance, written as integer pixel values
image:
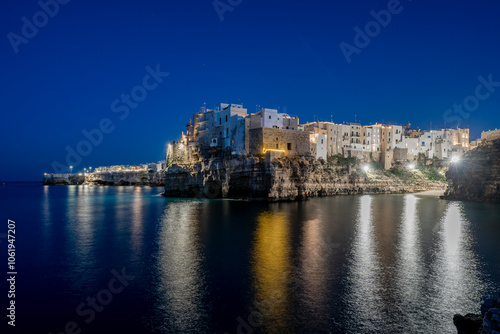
(490, 135)
(279, 139)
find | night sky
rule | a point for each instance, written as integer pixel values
(69, 76)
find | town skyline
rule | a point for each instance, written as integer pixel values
(66, 76)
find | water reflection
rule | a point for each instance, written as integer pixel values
(364, 299)
(137, 221)
(456, 284)
(409, 272)
(314, 265)
(272, 270)
(182, 284)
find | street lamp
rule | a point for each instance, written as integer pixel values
(90, 169)
(71, 168)
(366, 168)
(455, 159)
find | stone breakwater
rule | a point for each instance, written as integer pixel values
(129, 178)
(253, 178)
(476, 176)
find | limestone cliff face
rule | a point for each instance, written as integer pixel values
(476, 176)
(63, 179)
(283, 179)
(126, 178)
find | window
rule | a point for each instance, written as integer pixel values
(220, 121)
(277, 146)
(289, 146)
(226, 118)
(227, 132)
(269, 116)
(321, 141)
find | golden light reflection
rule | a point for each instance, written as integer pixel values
(272, 268)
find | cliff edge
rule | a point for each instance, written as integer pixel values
(254, 178)
(476, 177)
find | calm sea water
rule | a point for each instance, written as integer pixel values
(348, 264)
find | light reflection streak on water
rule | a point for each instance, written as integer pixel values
(137, 220)
(364, 302)
(456, 284)
(314, 265)
(409, 274)
(182, 285)
(272, 270)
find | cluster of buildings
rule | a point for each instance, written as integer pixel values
(229, 128)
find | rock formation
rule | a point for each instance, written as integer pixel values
(63, 179)
(129, 178)
(284, 179)
(476, 176)
(488, 322)
(132, 178)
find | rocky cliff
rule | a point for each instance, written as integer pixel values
(126, 178)
(63, 179)
(476, 176)
(286, 179)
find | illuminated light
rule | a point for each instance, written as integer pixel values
(80, 174)
(455, 159)
(273, 150)
(411, 166)
(366, 168)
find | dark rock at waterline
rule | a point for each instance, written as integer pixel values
(467, 324)
(476, 177)
(488, 322)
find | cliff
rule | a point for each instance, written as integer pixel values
(129, 178)
(287, 179)
(134, 178)
(476, 176)
(63, 179)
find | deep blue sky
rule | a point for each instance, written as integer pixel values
(282, 54)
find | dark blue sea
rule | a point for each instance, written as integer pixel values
(126, 260)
